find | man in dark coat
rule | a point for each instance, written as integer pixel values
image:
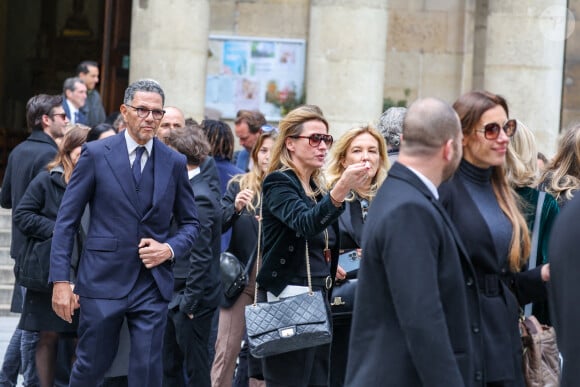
(197, 289)
(88, 72)
(416, 312)
(46, 119)
(564, 287)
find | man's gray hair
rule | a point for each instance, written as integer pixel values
(70, 83)
(391, 125)
(148, 85)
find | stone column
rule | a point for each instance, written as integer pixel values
(524, 62)
(346, 60)
(169, 43)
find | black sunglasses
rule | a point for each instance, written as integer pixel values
(316, 138)
(61, 115)
(491, 130)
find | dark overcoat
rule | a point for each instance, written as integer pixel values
(416, 317)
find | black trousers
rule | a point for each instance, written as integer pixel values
(186, 345)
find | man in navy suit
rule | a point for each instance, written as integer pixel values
(75, 97)
(134, 186)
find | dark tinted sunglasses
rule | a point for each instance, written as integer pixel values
(316, 138)
(491, 130)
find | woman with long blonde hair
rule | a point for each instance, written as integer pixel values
(485, 211)
(299, 210)
(241, 206)
(561, 177)
(361, 144)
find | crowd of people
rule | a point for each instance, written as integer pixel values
(417, 230)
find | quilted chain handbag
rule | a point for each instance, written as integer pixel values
(290, 324)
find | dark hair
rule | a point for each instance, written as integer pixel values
(147, 85)
(83, 67)
(39, 105)
(191, 142)
(220, 137)
(471, 106)
(99, 129)
(253, 118)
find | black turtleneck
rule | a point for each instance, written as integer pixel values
(478, 183)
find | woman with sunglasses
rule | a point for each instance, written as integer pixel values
(297, 209)
(365, 145)
(485, 211)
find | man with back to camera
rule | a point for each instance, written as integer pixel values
(422, 331)
(88, 72)
(75, 96)
(247, 128)
(197, 289)
(46, 119)
(126, 263)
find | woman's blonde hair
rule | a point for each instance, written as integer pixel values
(253, 179)
(470, 107)
(562, 175)
(75, 136)
(522, 158)
(292, 125)
(338, 155)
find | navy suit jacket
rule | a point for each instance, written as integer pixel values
(110, 262)
(82, 117)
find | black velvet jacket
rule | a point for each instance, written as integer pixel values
(289, 218)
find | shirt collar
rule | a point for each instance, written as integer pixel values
(193, 172)
(132, 144)
(71, 108)
(426, 181)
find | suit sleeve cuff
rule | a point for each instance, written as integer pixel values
(170, 249)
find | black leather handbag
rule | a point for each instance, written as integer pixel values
(290, 324)
(343, 294)
(234, 275)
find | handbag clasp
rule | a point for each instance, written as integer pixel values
(337, 301)
(287, 332)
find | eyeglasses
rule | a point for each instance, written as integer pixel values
(364, 206)
(491, 130)
(143, 112)
(61, 115)
(316, 138)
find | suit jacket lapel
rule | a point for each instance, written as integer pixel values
(118, 159)
(161, 172)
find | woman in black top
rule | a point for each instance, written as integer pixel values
(361, 144)
(297, 209)
(485, 211)
(35, 217)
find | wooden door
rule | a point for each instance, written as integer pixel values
(115, 60)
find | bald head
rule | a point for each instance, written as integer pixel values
(429, 124)
(172, 119)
